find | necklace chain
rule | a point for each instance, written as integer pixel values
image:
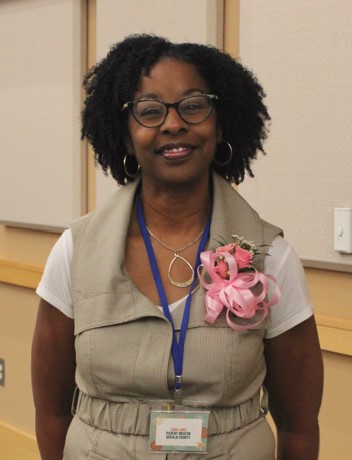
(177, 256)
(175, 251)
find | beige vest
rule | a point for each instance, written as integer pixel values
(123, 341)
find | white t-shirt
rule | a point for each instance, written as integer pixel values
(293, 307)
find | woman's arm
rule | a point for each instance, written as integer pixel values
(295, 383)
(53, 379)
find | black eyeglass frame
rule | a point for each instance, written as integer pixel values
(130, 104)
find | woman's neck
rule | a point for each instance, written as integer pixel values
(185, 210)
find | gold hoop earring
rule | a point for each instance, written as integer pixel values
(133, 175)
(224, 163)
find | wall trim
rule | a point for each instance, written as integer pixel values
(334, 339)
(91, 60)
(232, 27)
(333, 266)
(20, 274)
(17, 445)
(335, 334)
(335, 323)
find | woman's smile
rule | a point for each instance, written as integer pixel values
(176, 151)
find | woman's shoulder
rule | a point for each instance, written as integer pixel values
(55, 285)
(281, 255)
(295, 304)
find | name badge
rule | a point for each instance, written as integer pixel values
(179, 431)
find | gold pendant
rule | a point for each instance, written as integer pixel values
(178, 283)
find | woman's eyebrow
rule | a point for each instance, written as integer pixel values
(186, 93)
(191, 91)
(147, 96)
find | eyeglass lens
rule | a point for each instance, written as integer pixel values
(151, 113)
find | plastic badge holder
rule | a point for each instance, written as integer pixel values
(178, 428)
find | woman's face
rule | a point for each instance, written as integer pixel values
(175, 152)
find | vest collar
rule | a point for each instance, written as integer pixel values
(102, 292)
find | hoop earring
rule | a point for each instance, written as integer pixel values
(133, 175)
(224, 163)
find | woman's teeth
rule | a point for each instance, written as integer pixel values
(175, 150)
(176, 153)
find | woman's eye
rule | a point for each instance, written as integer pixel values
(193, 104)
(192, 107)
(150, 111)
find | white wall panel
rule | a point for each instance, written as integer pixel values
(302, 54)
(40, 80)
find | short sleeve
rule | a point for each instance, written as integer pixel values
(55, 285)
(295, 305)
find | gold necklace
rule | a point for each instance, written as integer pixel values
(177, 256)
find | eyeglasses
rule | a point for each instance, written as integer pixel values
(151, 113)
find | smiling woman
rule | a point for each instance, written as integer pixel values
(238, 102)
(178, 142)
(122, 307)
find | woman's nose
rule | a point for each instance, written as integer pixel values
(173, 122)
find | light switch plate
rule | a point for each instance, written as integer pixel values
(343, 230)
(2, 372)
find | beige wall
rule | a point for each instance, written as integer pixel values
(23, 254)
(18, 312)
(335, 417)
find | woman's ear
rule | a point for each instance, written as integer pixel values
(218, 133)
(128, 144)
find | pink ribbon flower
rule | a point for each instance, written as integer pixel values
(236, 285)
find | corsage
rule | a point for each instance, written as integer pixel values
(231, 280)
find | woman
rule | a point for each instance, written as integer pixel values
(173, 123)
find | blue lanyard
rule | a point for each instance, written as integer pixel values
(177, 347)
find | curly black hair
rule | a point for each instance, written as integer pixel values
(241, 112)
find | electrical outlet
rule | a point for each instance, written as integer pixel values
(2, 372)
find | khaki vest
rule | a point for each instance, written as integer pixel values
(123, 341)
